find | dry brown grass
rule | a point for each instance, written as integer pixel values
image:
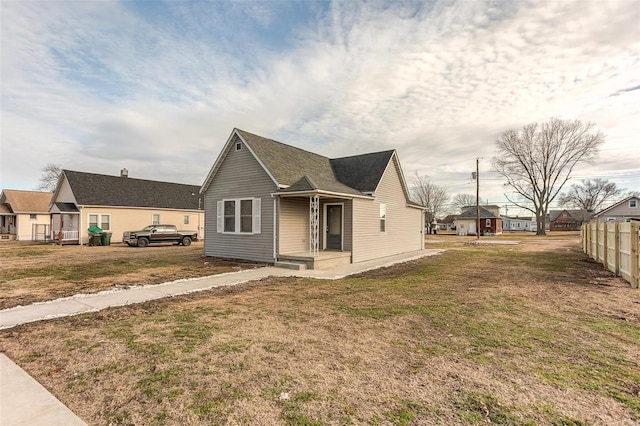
(37, 272)
(500, 334)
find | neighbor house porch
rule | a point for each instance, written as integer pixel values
(65, 223)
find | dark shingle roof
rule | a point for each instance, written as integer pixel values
(67, 207)
(289, 165)
(472, 214)
(362, 172)
(92, 189)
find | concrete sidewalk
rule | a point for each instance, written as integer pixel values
(83, 303)
(23, 401)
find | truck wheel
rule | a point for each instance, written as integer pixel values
(143, 242)
(186, 241)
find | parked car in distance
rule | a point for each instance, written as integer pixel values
(159, 234)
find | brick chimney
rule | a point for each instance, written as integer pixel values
(124, 173)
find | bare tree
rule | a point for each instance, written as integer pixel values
(538, 160)
(463, 200)
(49, 179)
(430, 195)
(590, 194)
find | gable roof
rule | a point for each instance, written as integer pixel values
(619, 203)
(90, 189)
(472, 214)
(27, 201)
(579, 214)
(362, 172)
(296, 170)
(448, 219)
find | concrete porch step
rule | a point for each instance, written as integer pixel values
(297, 266)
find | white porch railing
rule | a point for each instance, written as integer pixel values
(66, 235)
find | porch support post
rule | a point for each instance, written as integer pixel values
(60, 230)
(314, 224)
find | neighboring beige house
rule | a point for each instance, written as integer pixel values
(270, 202)
(626, 210)
(118, 203)
(24, 215)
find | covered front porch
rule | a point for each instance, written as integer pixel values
(7, 224)
(65, 223)
(314, 231)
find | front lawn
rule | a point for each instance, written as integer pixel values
(527, 334)
(37, 272)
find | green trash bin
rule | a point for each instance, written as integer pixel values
(105, 239)
(95, 238)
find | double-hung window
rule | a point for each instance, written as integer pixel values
(102, 221)
(239, 216)
(155, 219)
(383, 218)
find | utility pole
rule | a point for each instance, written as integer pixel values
(477, 198)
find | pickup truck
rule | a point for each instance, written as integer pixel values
(159, 234)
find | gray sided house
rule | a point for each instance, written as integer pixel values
(626, 210)
(270, 202)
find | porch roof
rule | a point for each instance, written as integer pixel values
(67, 207)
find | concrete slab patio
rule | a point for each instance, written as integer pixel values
(23, 401)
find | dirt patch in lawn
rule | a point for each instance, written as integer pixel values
(480, 334)
(33, 273)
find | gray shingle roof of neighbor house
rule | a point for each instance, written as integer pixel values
(301, 170)
(472, 214)
(576, 214)
(92, 189)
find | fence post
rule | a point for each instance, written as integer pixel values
(617, 249)
(605, 246)
(635, 239)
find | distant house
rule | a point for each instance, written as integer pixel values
(626, 210)
(447, 224)
(490, 221)
(568, 220)
(23, 214)
(119, 203)
(519, 223)
(271, 202)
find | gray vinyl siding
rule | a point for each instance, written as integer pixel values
(404, 228)
(294, 225)
(240, 176)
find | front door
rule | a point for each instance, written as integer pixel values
(334, 226)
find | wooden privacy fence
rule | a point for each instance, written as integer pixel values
(616, 246)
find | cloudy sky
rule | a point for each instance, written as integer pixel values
(157, 87)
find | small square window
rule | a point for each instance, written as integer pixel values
(238, 146)
(33, 216)
(633, 204)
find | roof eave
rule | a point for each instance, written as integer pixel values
(321, 192)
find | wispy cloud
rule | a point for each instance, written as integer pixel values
(153, 86)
